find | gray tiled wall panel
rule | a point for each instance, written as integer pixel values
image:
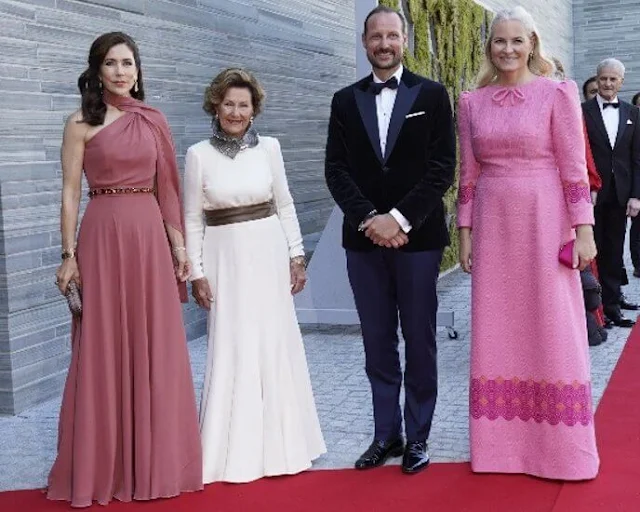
(608, 29)
(302, 51)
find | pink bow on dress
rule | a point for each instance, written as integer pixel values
(511, 94)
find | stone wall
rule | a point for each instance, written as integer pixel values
(302, 51)
(608, 29)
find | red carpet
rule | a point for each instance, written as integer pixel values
(443, 487)
(617, 488)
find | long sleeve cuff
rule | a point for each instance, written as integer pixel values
(405, 225)
(196, 273)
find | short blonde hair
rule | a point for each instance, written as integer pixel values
(233, 77)
(538, 63)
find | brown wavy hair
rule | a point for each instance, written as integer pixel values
(225, 80)
(93, 106)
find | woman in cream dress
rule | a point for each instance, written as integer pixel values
(257, 415)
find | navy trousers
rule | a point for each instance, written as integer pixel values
(390, 285)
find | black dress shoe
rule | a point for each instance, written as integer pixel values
(621, 321)
(629, 306)
(379, 452)
(416, 457)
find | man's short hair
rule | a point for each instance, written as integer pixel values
(585, 85)
(636, 99)
(611, 64)
(388, 10)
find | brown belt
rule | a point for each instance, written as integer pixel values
(120, 190)
(240, 214)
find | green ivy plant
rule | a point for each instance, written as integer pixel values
(448, 47)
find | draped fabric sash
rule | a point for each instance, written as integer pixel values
(168, 191)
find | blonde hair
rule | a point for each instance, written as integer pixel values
(558, 73)
(225, 80)
(538, 63)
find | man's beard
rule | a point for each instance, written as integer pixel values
(392, 64)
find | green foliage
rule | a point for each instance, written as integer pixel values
(448, 47)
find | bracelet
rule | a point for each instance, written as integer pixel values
(176, 249)
(299, 260)
(68, 253)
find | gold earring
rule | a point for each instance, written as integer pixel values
(100, 82)
(135, 86)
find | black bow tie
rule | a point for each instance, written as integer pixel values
(376, 88)
(614, 105)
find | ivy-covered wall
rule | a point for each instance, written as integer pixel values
(447, 47)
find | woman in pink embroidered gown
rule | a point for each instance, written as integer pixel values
(128, 425)
(523, 194)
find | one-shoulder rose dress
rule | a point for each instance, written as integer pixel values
(128, 425)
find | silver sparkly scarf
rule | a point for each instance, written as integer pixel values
(231, 146)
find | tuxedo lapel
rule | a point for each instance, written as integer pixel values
(622, 124)
(405, 98)
(593, 109)
(366, 103)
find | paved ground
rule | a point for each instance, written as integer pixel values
(336, 362)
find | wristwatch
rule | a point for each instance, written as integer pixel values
(368, 216)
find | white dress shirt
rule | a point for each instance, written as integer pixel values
(384, 108)
(611, 118)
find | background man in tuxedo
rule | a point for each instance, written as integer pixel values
(614, 135)
(390, 158)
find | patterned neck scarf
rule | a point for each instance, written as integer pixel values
(231, 146)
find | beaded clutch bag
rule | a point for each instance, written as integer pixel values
(74, 298)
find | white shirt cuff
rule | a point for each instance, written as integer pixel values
(401, 219)
(196, 274)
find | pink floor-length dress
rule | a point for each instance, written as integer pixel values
(128, 425)
(523, 187)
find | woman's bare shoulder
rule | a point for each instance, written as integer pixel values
(75, 128)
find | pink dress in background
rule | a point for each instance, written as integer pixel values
(523, 186)
(128, 425)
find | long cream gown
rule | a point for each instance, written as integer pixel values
(257, 415)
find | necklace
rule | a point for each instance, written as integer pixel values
(231, 146)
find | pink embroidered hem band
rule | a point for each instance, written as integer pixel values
(529, 399)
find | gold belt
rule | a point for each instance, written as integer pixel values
(239, 214)
(120, 190)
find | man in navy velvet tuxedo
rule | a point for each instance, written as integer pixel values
(390, 158)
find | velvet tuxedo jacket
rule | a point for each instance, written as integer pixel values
(623, 160)
(415, 172)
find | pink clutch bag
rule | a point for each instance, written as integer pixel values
(566, 254)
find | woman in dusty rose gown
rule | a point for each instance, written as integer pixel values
(128, 425)
(524, 192)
